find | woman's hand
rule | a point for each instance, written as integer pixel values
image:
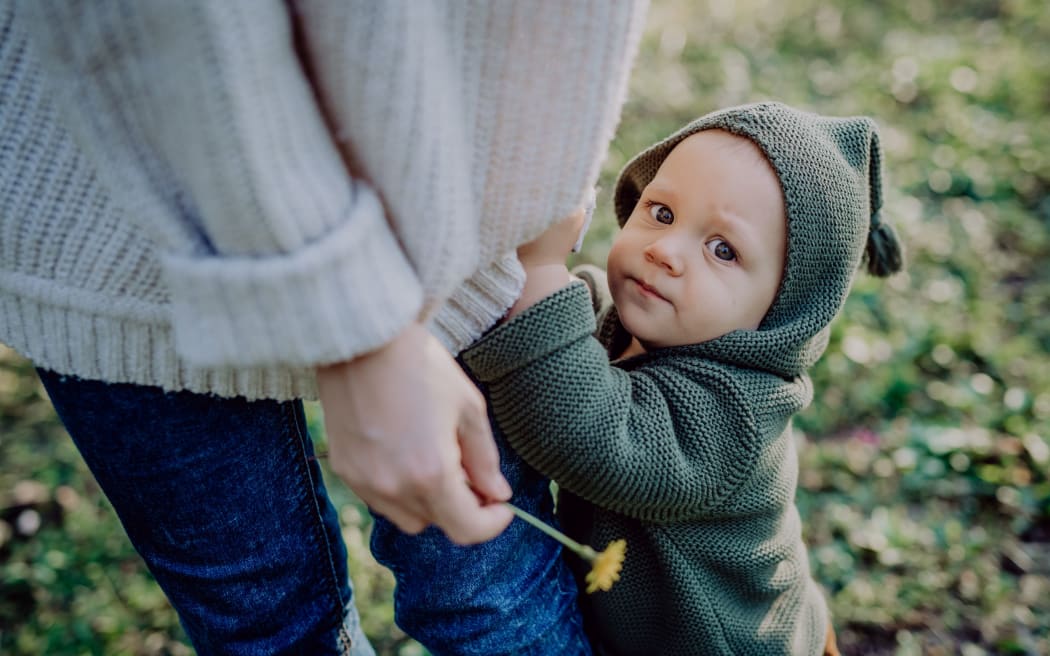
(408, 432)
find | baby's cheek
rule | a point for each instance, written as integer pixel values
(616, 284)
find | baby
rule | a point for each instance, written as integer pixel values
(741, 236)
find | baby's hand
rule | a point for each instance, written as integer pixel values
(555, 243)
(544, 261)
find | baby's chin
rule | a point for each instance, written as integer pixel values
(652, 338)
(652, 345)
(652, 334)
(647, 336)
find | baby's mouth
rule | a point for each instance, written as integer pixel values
(649, 290)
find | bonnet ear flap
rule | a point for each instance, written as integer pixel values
(883, 251)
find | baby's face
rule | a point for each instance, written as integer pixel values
(702, 253)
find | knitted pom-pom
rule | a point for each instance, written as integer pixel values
(883, 252)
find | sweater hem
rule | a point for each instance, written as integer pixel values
(113, 349)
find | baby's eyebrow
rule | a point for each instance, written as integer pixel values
(655, 187)
(737, 229)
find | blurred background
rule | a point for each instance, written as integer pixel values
(925, 457)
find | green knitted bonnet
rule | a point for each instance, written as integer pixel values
(829, 170)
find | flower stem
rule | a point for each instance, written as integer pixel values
(581, 550)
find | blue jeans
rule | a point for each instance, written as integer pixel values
(513, 595)
(226, 505)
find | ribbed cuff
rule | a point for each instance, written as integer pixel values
(346, 294)
(562, 318)
(478, 303)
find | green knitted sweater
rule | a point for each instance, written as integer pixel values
(690, 459)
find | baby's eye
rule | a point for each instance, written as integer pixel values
(721, 249)
(661, 213)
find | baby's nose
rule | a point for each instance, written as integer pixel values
(665, 253)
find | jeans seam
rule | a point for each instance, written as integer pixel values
(299, 433)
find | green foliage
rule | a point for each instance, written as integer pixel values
(70, 582)
(924, 485)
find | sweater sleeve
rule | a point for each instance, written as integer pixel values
(656, 443)
(206, 131)
(479, 123)
(224, 129)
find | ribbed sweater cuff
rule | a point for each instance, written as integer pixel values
(478, 303)
(560, 319)
(338, 297)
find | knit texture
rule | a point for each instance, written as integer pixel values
(175, 207)
(687, 452)
(691, 460)
(829, 170)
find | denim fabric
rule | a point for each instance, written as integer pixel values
(226, 505)
(513, 595)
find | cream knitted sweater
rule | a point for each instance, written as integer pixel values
(175, 202)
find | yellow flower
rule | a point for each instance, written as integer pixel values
(606, 566)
